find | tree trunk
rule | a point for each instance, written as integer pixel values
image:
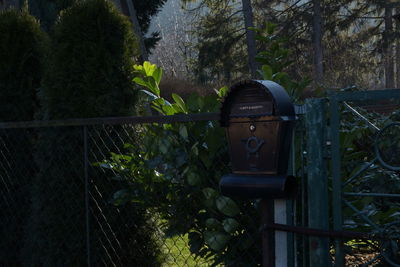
(317, 42)
(388, 48)
(250, 37)
(398, 50)
(137, 30)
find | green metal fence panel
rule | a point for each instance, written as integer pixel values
(363, 187)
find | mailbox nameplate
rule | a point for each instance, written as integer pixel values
(251, 109)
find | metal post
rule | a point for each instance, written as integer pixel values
(303, 188)
(290, 208)
(281, 242)
(317, 186)
(267, 235)
(336, 179)
(284, 214)
(87, 210)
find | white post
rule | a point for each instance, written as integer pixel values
(281, 253)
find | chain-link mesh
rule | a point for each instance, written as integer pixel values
(107, 195)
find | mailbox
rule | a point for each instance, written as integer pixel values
(259, 119)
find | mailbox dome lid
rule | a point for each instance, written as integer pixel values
(259, 90)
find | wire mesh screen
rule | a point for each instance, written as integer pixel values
(122, 195)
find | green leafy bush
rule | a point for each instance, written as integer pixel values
(275, 59)
(22, 50)
(178, 164)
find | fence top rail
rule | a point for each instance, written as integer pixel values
(112, 121)
(122, 120)
(365, 95)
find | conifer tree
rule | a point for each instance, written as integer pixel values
(47, 12)
(89, 75)
(22, 51)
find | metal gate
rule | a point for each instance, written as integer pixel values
(351, 202)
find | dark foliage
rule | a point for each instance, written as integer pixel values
(89, 74)
(145, 11)
(22, 49)
(48, 11)
(90, 68)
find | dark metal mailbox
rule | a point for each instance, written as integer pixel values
(259, 118)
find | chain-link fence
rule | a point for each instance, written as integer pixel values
(121, 193)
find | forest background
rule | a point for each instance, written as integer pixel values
(335, 43)
(204, 44)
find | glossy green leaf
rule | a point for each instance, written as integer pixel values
(179, 101)
(168, 110)
(139, 70)
(153, 86)
(183, 132)
(222, 92)
(230, 225)
(177, 108)
(140, 81)
(157, 75)
(149, 68)
(210, 193)
(216, 240)
(267, 72)
(227, 206)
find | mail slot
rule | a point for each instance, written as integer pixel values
(259, 119)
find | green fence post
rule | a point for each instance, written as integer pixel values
(317, 184)
(336, 177)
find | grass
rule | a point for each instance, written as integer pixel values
(178, 254)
